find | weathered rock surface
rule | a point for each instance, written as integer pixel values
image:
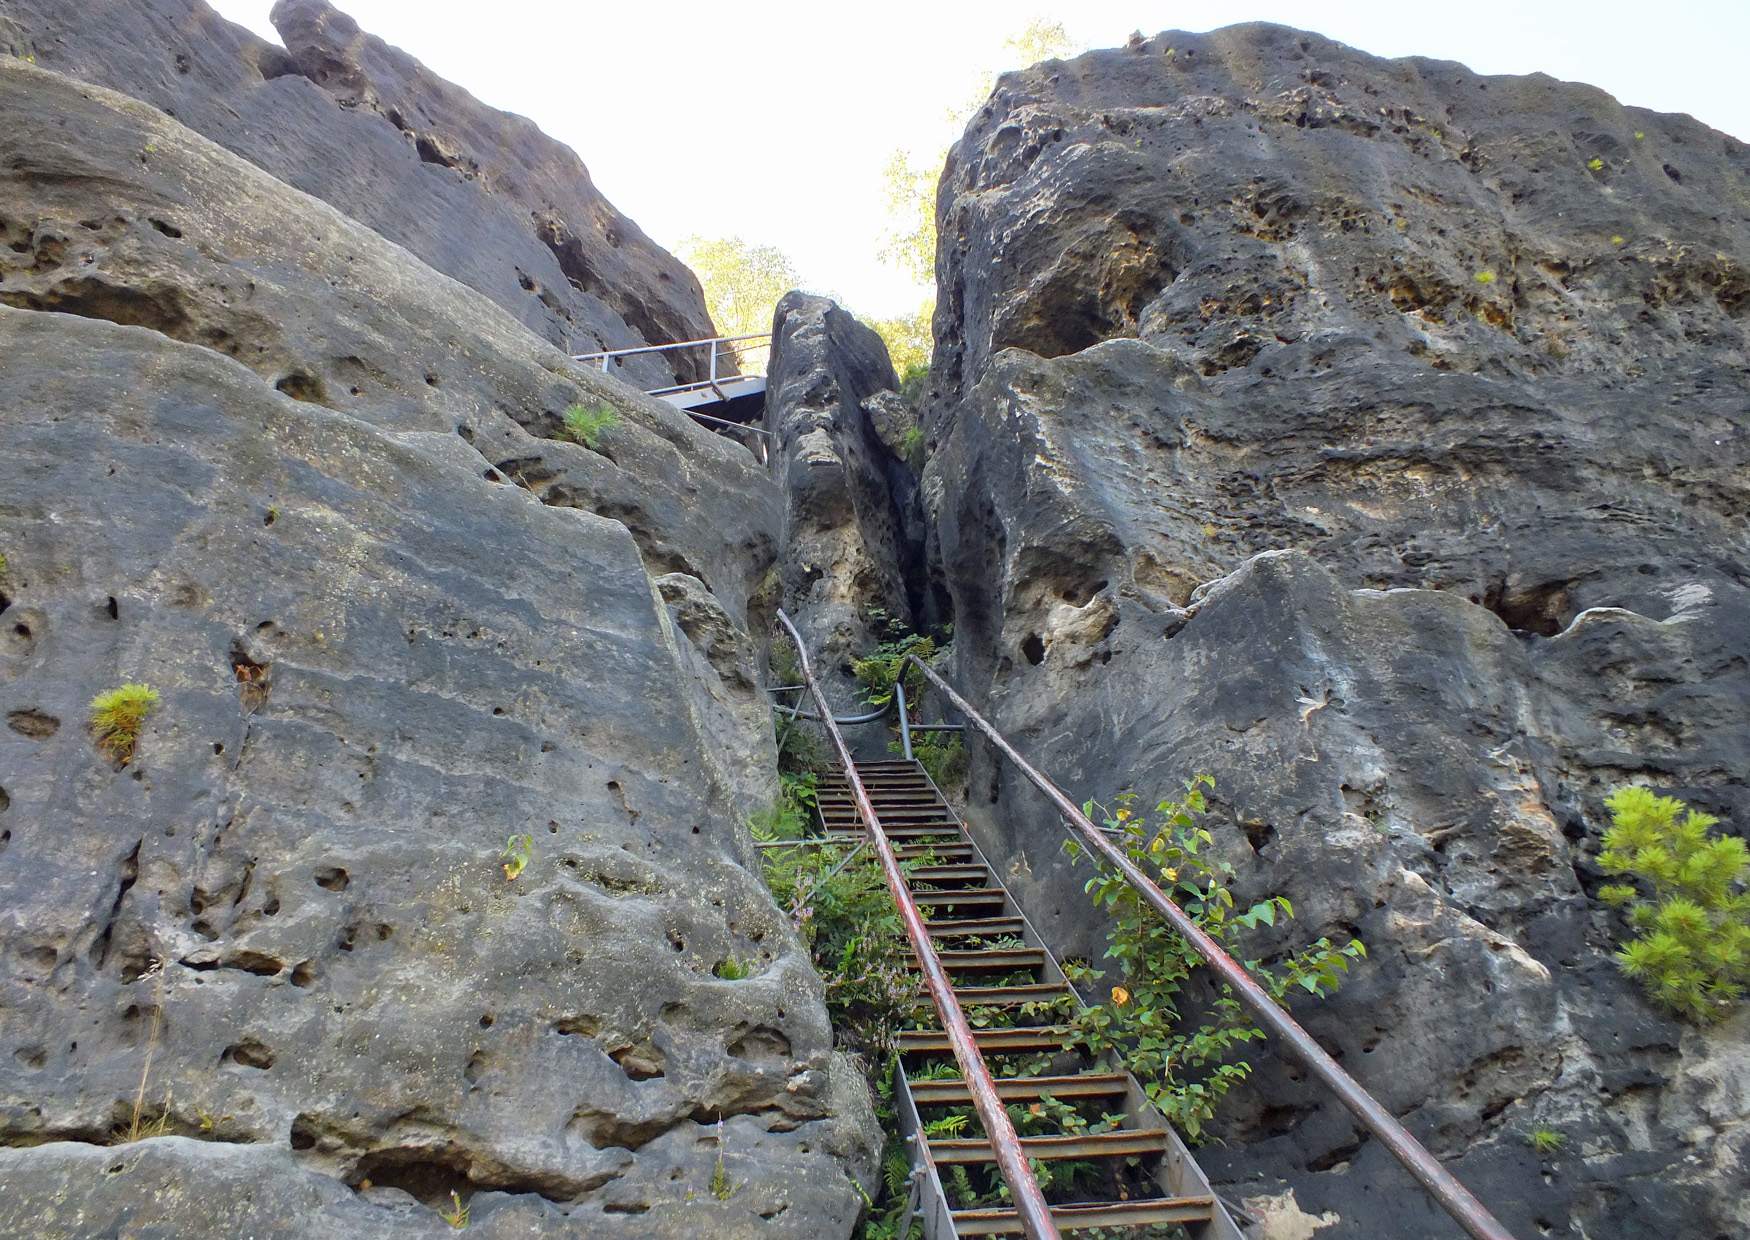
(262, 459)
(850, 530)
(478, 194)
(1214, 296)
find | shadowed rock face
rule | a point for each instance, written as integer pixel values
(838, 427)
(262, 459)
(480, 195)
(1242, 468)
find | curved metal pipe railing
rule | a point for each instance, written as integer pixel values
(1452, 1196)
(1028, 1200)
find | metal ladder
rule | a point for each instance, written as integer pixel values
(1147, 1182)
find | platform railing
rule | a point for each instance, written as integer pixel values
(1446, 1190)
(720, 347)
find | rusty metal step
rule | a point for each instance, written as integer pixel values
(1008, 996)
(1121, 1143)
(977, 927)
(996, 960)
(943, 852)
(902, 833)
(990, 1041)
(966, 872)
(951, 1091)
(1080, 1216)
(963, 898)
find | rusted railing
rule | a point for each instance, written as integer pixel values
(1457, 1200)
(1029, 1202)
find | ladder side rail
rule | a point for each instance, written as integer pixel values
(1029, 1201)
(1444, 1187)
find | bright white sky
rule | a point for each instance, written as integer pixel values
(773, 121)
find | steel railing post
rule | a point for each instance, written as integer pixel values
(904, 723)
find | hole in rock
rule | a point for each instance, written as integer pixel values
(1033, 649)
(33, 723)
(113, 608)
(249, 1053)
(303, 975)
(332, 878)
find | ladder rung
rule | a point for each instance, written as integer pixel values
(990, 1041)
(1122, 1143)
(908, 852)
(971, 927)
(966, 895)
(952, 1091)
(995, 960)
(950, 873)
(1008, 996)
(1003, 1221)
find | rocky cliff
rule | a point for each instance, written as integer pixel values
(478, 194)
(1371, 435)
(310, 488)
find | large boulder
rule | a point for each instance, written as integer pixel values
(851, 546)
(478, 194)
(1371, 435)
(306, 487)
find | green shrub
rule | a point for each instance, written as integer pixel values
(911, 446)
(586, 426)
(1691, 949)
(116, 719)
(1185, 1067)
(732, 969)
(1545, 1140)
(881, 669)
(943, 755)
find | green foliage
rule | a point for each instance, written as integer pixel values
(2, 567)
(1185, 1065)
(519, 850)
(943, 755)
(913, 381)
(1691, 947)
(732, 969)
(911, 446)
(457, 1215)
(117, 717)
(881, 669)
(1484, 277)
(721, 1186)
(743, 282)
(1545, 1140)
(1596, 165)
(908, 338)
(586, 426)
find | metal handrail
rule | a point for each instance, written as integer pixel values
(1029, 1202)
(678, 344)
(1452, 1196)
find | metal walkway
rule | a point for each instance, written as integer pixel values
(726, 399)
(1135, 1173)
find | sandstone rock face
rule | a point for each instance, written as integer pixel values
(271, 464)
(478, 194)
(1373, 436)
(838, 428)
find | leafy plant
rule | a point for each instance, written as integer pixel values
(881, 669)
(943, 755)
(1186, 1066)
(1545, 1140)
(1596, 165)
(911, 446)
(732, 969)
(1691, 949)
(519, 850)
(116, 719)
(457, 1215)
(586, 426)
(1484, 277)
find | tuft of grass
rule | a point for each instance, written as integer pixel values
(731, 969)
(1596, 165)
(1617, 239)
(457, 1215)
(116, 719)
(1545, 1140)
(586, 426)
(1484, 277)
(722, 1187)
(519, 850)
